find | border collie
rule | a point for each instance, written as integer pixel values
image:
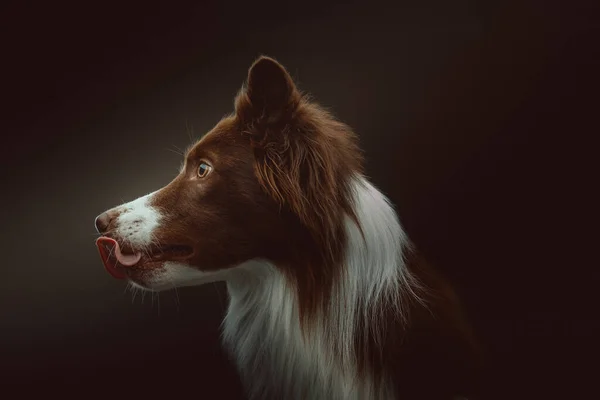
(328, 298)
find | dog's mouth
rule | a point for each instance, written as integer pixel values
(116, 260)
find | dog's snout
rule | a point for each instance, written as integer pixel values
(102, 222)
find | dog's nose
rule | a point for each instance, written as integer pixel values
(102, 222)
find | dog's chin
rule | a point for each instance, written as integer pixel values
(143, 286)
(154, 287)
(170, 275)
(148, 279)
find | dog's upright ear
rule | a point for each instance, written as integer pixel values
(269, 95)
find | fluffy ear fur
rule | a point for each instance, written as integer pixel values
(304, 158)
(303, 155)
(269, 96)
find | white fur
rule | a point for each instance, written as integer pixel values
(262, 328)
(176, 274)
(137, 222)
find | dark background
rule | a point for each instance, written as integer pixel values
(467, 114)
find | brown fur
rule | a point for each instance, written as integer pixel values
(432, 355)
(280, 190)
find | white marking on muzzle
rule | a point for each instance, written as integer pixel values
(137, 221)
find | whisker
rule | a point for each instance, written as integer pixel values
(177, 298)
(158, 302)
(218, 295)
(176, 294)
(189, 130)
(178, 152)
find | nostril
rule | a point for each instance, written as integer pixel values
(102, 222)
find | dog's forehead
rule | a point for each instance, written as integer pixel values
(222, 134)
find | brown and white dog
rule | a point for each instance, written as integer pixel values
(328, 298)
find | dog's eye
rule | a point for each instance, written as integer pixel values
(204, 170)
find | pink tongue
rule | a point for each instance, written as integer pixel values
(126, 260)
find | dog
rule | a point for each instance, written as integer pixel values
(328, 297)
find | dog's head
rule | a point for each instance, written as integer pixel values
(267, 182)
